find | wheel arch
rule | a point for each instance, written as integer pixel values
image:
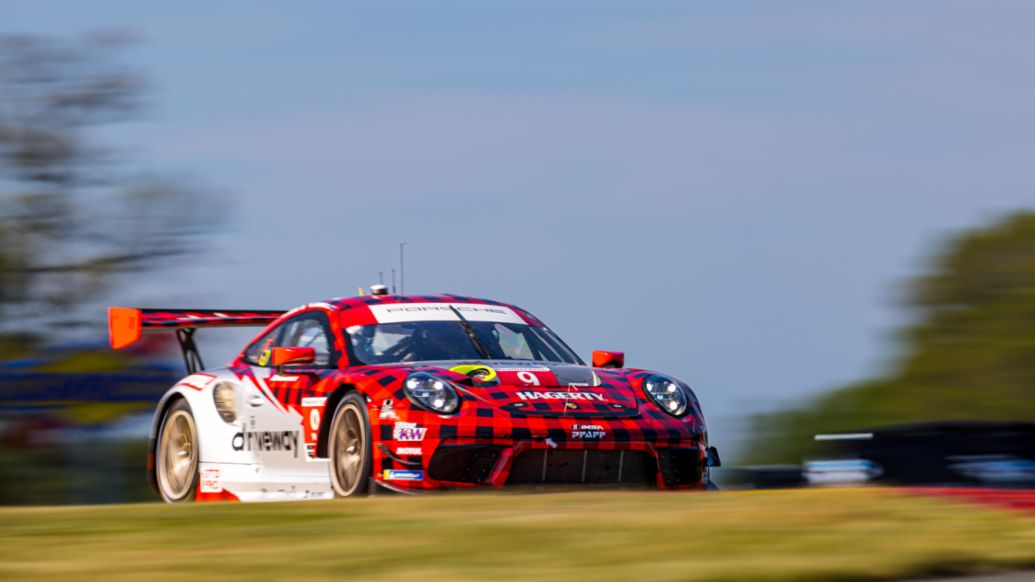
(156, 425)
(329, 407)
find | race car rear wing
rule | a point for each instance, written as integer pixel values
(127, 324)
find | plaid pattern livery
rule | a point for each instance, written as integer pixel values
(617, 417)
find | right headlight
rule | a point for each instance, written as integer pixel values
(431, 393)
(667, 394)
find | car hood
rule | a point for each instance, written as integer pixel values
(547, 388)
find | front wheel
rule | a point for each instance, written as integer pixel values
(349, 447)
(176, 464)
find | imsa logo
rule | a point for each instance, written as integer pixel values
(266, 440)
(588, 431)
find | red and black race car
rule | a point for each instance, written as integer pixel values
(410, 393)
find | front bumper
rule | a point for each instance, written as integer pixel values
(459, 452)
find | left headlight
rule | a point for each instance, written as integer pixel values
(431, 393)
(225, 399)
(668, 395)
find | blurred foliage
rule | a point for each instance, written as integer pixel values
(72, 215)
(75, 218)
(82, 470)
(969, 355)
(15, 345)
(78, 362)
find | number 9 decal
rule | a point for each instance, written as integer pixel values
(528, 378)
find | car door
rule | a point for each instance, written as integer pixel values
(295, 384)
(288, 418)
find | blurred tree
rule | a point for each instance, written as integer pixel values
(969, 355)
(71, 217)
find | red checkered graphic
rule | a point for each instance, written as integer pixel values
(525, 411)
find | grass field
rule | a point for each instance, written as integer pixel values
(847, 534)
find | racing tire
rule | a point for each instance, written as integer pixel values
(349, 447)
(176, 454)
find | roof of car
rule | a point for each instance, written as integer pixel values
(346, 303)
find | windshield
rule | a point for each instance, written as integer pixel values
(422, 341)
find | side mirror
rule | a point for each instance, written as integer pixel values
(287, 356)
(605, 359)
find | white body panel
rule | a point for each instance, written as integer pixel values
(261, 455)
(254, 483)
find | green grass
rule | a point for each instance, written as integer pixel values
(847, 534)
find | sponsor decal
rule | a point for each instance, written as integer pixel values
(210, 481)
(409, 451)
(312, 413)
(264, 357)
(584, 396)
(401, 475)
(408, 431)
(387, 410)
(266, 440)
(588, 431)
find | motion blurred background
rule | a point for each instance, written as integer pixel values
(820, 215)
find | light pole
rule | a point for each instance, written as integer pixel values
(402, 268)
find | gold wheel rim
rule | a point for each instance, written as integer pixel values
(177, 455)
(349, 446)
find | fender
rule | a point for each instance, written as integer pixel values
(152, 443)
(214, 434)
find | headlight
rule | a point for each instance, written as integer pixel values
(668, 395)
(224, 397)
(431, 393)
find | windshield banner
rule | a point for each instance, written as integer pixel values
(399, 312)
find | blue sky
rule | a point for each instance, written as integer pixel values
(731, 192)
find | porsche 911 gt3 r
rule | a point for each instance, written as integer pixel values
(409, 393)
